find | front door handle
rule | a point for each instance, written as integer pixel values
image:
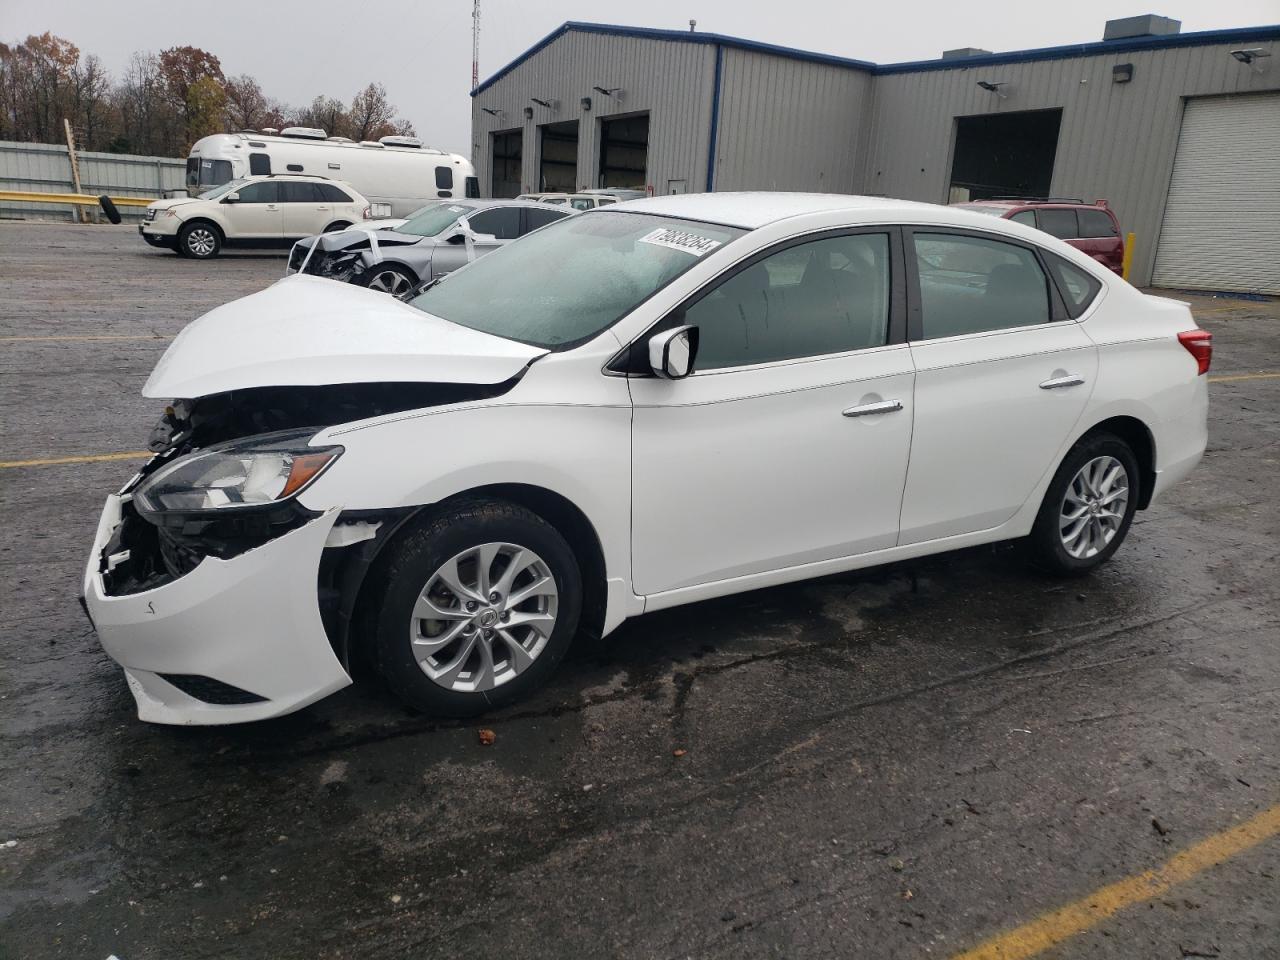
(870, 409)
(1070, 380)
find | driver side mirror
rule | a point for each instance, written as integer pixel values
(672, 352)
(231, 198)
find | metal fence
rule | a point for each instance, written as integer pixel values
(45, 167)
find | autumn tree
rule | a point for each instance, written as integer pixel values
(194, 82)
(161, 103)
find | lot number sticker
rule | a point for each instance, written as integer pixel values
(679, 240)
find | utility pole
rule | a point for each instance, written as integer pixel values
(475, 44)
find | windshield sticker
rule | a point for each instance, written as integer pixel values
(679, 240)
(457, 209)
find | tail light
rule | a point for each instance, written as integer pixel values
(1199, 344)
(368, 213)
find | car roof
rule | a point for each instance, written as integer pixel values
(753, 210)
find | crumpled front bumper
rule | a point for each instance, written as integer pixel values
(252, 622)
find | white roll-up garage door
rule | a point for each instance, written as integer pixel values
(1222, 221)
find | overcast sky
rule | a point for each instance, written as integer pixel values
(421, 49)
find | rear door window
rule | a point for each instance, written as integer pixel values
(1095, 223)
(1025, 216)
(972, 284)
(299, 192)
(1059, 223)
(535, 218)
(502, 222)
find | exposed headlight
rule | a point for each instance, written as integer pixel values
(234, 476)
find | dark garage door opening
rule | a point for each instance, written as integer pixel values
(1004, 155)
(558, 172)
(624, 150)
(506, 163)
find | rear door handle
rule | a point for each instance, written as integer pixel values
(1070, 380)
(870, 409)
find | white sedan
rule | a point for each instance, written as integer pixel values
(642, 406)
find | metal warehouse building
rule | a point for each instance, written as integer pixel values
(1179, 131)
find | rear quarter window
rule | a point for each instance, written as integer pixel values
(1096, 223)
(1078, 287)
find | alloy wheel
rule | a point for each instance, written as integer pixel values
(484, 617)
(1093, 507)
(390, 281)
(201, 242)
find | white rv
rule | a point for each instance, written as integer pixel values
(396, 174)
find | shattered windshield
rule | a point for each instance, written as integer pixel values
(563, 284)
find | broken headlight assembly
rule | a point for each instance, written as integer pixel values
(255, 472)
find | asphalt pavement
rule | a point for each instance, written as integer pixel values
(904, 762)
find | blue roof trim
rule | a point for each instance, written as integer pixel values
(678, 36)
(1094, 49)
(1100, 47)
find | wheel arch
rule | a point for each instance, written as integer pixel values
(358, 576)
(209, 222)
(1141, 441)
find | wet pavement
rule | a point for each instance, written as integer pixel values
(895, 763)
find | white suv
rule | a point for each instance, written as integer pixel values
(253, 211)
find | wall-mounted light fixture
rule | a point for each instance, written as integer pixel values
(549, 104)
(491, 112)
(586, 103)
(1251, 57)
(993, 86)
(528, 113)
(1122, 73)
(615, 92)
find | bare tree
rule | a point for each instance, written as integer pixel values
(371, 113)
(247, 106)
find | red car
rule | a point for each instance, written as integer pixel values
(1090, 227)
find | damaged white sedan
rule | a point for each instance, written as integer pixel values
(638, 407)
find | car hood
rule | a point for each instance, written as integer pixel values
(308, 331)
(174, 202)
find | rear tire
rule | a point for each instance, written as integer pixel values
(447, 658)
(1088, 507)
(199, 240)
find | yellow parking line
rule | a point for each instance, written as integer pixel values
(95, 458)
(1245, 376)
(85, 337)
(1053, 928)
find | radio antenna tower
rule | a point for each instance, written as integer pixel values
(475, 45)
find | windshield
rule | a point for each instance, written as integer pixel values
(217, 192)
(431, 221)
(563, 284)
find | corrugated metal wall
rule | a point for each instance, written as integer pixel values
(673, 81)
(790, 125)
(44, 167)
(1117, 139)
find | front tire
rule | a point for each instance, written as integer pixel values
(199, 240)
(1088, 507)
(389, 278)
(480, 604)
(337, 226)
